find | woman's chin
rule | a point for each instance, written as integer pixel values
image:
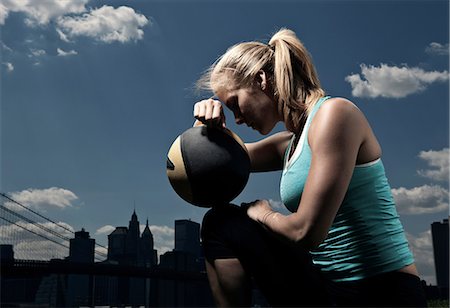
(262, 132)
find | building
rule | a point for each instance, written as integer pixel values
(6, 253)
(439, 233)
(185, 258)
(79, 287)
(148, 255)
(82, 248)
(187, 237)
(128, 247)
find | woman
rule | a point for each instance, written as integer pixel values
(343, 244)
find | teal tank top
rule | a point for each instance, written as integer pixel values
(366, 237)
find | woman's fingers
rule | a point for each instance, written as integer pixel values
(209, 112)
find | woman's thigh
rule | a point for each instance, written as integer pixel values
(285, 274)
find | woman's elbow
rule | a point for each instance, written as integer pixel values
(305, 233)
(314, 243)
(309, 239)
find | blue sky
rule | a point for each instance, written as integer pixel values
(93, 93)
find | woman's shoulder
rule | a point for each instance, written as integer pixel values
(338, 108)
(339, 103)
(337, 114)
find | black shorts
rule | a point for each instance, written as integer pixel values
(286, 275)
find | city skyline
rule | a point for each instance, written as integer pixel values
(130, 275)
(17, 220)
(89, 112)
(48, 233)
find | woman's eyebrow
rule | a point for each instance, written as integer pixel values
(229, 100)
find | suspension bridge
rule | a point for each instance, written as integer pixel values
(35, 236)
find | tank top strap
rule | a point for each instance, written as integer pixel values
(289, 159)
(314, 110)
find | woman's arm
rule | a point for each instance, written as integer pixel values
(268, 154)
(335, 136)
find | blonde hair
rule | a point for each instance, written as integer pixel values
(288, 67)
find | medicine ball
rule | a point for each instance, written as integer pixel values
(208, 166)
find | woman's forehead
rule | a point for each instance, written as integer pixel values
(223, 95)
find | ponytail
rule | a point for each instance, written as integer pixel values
(296, 84)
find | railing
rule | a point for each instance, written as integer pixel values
(61, 283)
(19, 268)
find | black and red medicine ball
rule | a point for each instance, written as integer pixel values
(208, 166)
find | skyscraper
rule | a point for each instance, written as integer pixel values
(116, 244)
(128, 246)
(184, 258)
(187, 237)
(148, 255)
(79, 287)
(132, 239)
(6, 252)
(82, 247)
(439, 232)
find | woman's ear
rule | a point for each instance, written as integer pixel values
(261, 79)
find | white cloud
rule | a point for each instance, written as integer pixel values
(9, 66)
(106, 24)
(12, 232)
(5, 47)
(62, 36)
(439, 162)
(437, 49)
(422, 248)
(39, 250)
(40, 12)
(425, 199)
(43, 198)
(3, 14)
(105, 230)
(101, 252)
(27, 243)
(63, 53)
(38, 52)
(164, 238)
(392, 81)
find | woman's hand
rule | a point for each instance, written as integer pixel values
(259, 210)
(209, 112)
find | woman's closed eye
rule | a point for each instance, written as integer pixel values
(233, 105)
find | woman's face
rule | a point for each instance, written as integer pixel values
(252, 106)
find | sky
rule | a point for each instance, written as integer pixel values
(93, 93)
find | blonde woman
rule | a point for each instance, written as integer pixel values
(343, 244)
